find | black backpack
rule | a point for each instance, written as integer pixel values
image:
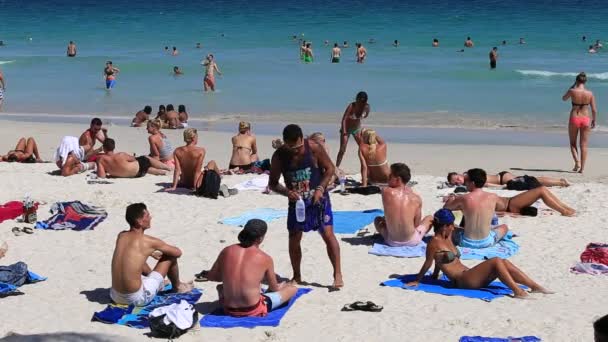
(210, 187)
(159, 329)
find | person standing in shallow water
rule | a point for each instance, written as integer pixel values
(493, 57)
(210, 69)
(110, 73)
(71, 50)
(307, 171)
(335, 54)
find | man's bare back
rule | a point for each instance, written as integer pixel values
(190, 160)
(402, 208)
(120, 165)
(132, 251)
(478, 209)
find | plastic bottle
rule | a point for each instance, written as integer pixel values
(342, 184)
(300, 210)
(495, 220)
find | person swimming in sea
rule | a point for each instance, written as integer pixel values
(435, 42)
(177, 71)
(110, 72)
(396, 43)
(469, 43)
(175, 52)
(351, 122)
(308, 55)
(345, 45)
(335, 54)
(71, 50)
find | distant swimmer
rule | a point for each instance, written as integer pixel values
(435, 42)
(591, 49)
(345, 45)
(493, 57)
(396, 43)
(175, 52)
(71, 49)
(1, 42)
(522, 41)
(371, 41)
(302, 50)
(210, 69)
(326, 42)
(110, 73)
(584, 38)
(598, 45)
(308, 55)
(177, 71)
(335, 54)
(361, 53)
(198, 45)
(167, 50)
(504, 42)
(468, 43)
(294, 37)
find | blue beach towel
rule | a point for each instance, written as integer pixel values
(137, 317)
(7, 289)
(401, 252)
(504, 249)
(73, 215)
(497, 339)
(264, 214)
(218, 319)
(444, 286)
(349, 222)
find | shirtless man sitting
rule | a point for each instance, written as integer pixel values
(141, 117)
(133, 281)
(188, 172)
(403, 224)
(124, 165)
(478, 208)
(89, 138)
(241, 268)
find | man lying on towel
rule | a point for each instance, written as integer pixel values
(403, 224)
(478, 208)
(133, 281)
(241, 269)
(124, 165)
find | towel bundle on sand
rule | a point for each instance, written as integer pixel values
(66, 146)
(73, 215)
(14, 276)
(137, 317)
(504, 249)
(594, 260)
(498, 339)
(218, 319)
(445, 287)
(11, 210)
(382, 249)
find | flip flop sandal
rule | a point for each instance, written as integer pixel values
(27, 230)
(363, 306)
(17, 231)
(200, 277)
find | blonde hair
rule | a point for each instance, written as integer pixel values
(190, 134)
(370, 138)
(158, 123)
(244, 126)
(317, 137)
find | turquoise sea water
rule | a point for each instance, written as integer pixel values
(411, 84)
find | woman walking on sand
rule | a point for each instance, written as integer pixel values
(580, 123)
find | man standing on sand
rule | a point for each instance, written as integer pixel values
(188, 172)
(493, 57)
(241, 268)
(403, 224)
(124, 165)
(361, 53)
(71, 51)
(210, 69)
(478, 208)
(133, 281)
(469, 43)
(307, 171)
(335, 54)
(95, 133)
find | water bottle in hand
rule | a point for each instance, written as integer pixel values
(300, 210)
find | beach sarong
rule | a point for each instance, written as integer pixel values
(504, 249)
(12, 288)
(498, 339)
(11, 210)
(218, 319)
(382, 249)
(73, 215)
(137, 317)
(445, 287)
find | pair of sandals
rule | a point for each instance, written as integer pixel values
(363, 306)
(19, 231)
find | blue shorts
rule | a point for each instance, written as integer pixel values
(463, 241)
(273, 300)
(318, 216)
(110, 84)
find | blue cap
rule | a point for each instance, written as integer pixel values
(444, 216)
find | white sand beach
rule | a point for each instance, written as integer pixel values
(77, 264)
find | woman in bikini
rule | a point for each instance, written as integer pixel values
(244, 148)
(110, 73)
(160, 146)
(521, 203)
(351, 122)
(580, 123)
(26, 151)
(502, 178)
(373, 157)
(441, 251)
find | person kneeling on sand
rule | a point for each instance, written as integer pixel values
(446, 257)
(70, 157)
(241, 268)
(188, 172)
(403, 224)
(133, 281)
(124, 165)
(478, 208)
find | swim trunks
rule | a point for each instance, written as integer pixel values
(268, 301)
(492, 64)
(150, 286)
(307, 59)
(463, 241)
(414, 241)
(144, 165)
(335, 60)
(352, 132)
(318, 216)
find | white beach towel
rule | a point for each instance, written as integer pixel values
(256, 184)
(68, 145)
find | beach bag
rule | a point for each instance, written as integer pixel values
(15, 274)
(210, 187)
(172, 321)
(523, 183)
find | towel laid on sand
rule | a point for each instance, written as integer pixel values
(498, 339)
(218, 319)
(382, 249)
(255, 184)
(73, 215)
(594, 260)
(589, 268)
(7, 288)
(345, 222)
(445, 287)
(11, 210)
(504, 249)
(137, 317)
